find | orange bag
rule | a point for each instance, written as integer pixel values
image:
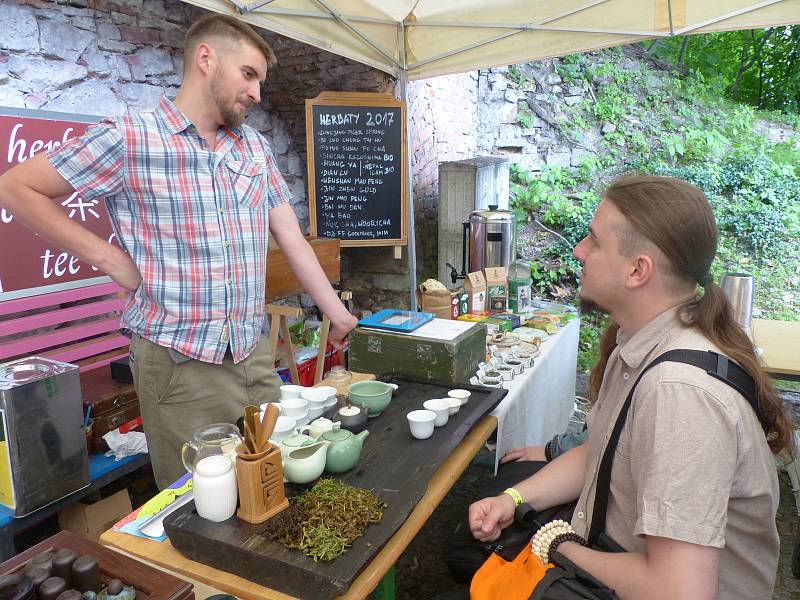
(498, 579)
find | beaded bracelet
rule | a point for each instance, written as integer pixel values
(542, 539)
(564, 537)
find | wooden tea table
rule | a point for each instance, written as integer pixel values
(780, 341)
(378, 573)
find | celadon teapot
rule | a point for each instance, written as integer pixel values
(344, 450)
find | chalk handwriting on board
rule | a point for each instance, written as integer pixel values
(357, 169)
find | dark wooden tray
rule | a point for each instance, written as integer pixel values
(393, 464)
(150, 583)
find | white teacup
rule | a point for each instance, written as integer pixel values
(316, 396)
(441, 408)
(421, 423)
(263, 407)
(283, 427)
(314, 412)
(302, 419)
(455, 405)
(291, 392)
(294, 407)
(462, 395)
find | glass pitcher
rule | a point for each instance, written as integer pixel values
(211, 440)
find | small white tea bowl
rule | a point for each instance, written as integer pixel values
(421, 423)
(462, 395)
(441, 408)
(455, 405)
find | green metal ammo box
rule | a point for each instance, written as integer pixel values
(384, 354)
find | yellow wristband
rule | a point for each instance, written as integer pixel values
(515, 495)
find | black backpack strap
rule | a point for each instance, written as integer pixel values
(716, 365)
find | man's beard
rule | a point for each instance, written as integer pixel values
(230, 118)
(588, 307)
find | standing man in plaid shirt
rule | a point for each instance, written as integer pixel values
(193, 194)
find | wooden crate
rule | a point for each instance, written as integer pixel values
(150, 583)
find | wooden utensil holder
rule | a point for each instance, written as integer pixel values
(259, 478)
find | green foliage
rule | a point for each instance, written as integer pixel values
(515, 74)
(759, 67)
(525, 119)
(592, 327)
(679, 126)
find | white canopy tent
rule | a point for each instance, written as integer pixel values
(417, 39)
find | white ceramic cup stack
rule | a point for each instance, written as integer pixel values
(317, 399)
(283, 427)
(291, 392)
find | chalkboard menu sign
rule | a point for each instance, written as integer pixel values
(357, 175)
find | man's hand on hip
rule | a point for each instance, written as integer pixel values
(122, 269)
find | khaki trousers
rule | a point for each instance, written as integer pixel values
(178, 397)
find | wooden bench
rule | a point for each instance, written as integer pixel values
(79, 326)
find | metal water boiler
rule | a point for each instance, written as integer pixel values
(491, 239)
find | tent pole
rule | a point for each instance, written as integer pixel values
(412, 245)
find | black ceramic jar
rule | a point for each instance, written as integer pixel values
(51, 588)
(86, 573)
(62, 564)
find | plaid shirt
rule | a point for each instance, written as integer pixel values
(194, 221)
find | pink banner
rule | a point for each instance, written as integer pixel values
(28, 264)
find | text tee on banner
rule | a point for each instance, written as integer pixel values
(28, 264)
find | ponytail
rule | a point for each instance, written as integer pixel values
(608, 341)
(712, 315)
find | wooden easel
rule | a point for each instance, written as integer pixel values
(323, 341)
(278, 321)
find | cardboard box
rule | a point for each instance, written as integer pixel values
(386, 353)
(497, 288)
(90, 520)
(475, 286)
(434, 301)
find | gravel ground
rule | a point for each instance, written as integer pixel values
(422, 574)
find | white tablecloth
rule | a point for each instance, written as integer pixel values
(540, 401)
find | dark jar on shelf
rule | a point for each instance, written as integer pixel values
(37, 577)
(70, 595)
(51, 588)
(86, 573)
(62, 563)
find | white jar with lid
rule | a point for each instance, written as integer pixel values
(214, 485)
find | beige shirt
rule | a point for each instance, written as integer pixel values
(692, 463)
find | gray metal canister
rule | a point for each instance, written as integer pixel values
(42, 444)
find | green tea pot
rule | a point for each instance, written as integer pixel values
(345, 449)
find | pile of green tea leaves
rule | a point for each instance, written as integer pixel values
(326, 519)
